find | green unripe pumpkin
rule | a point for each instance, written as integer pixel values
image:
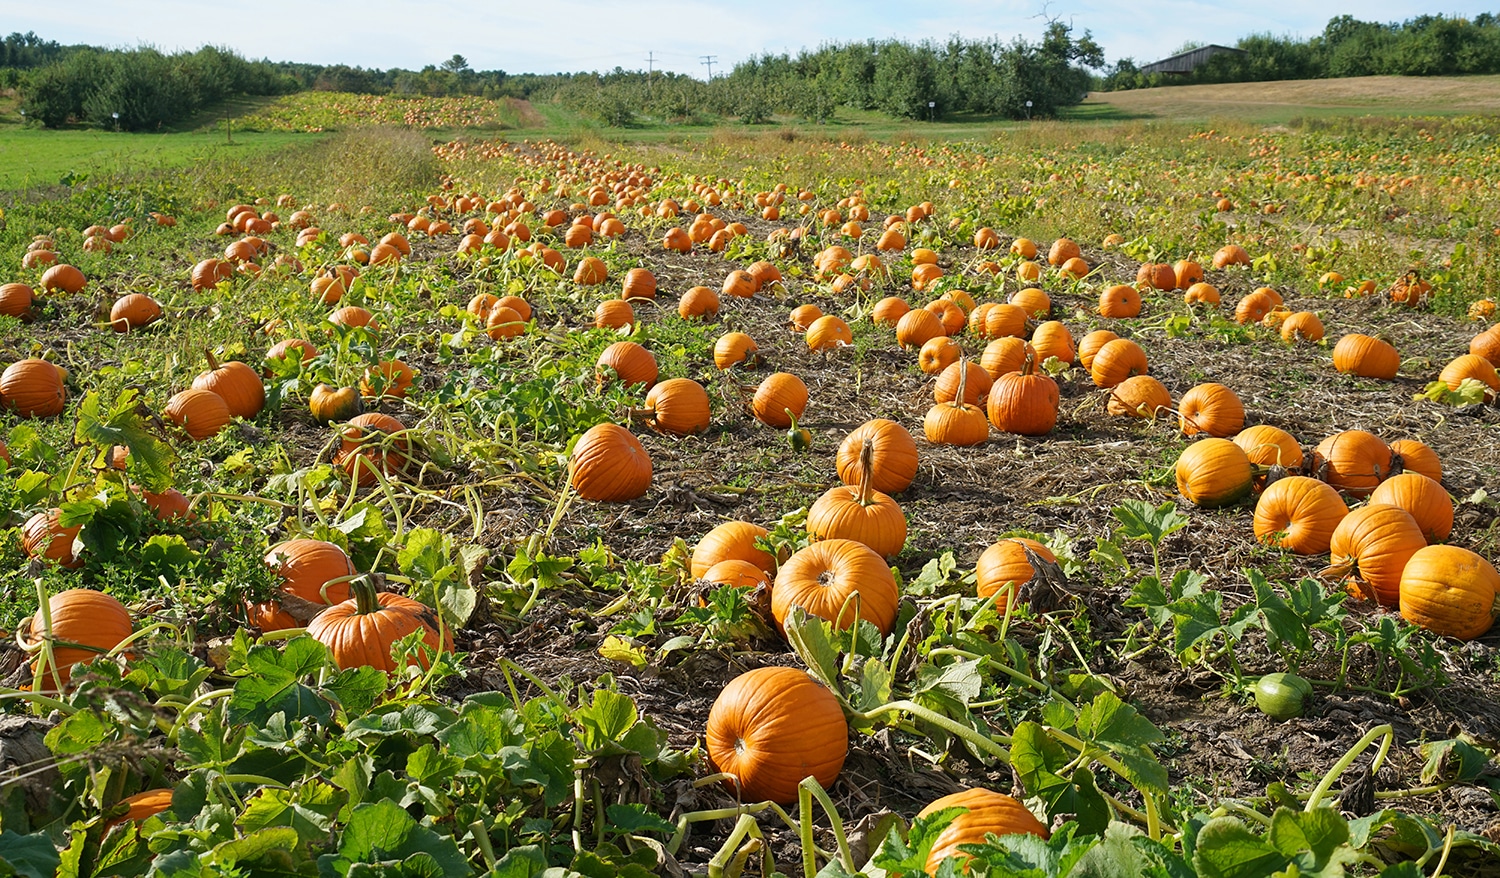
(1282, 696)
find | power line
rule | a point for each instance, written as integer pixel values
(708, 61)
(650, 62)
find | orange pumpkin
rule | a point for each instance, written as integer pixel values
(201, 413)
(989, 813)
(1211, 409)
(1423, 499)
(1370, 548)
(678, 406)
(33, 388)
(1006, 564)
(371, 443)
(627, 361)
(1213, 472)
(361, 632)
(860, 513)
(1299, 514)
(1353, 461)
(780, 398)
(1449, 591)
(730, 541)
(43, 537)
(313, 570)
(772, 727)
(894, 462)
(609, 465)
(235, 383)
(838, 580)
(93, 620)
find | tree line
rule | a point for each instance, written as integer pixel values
(1428, 45)
(60, 85)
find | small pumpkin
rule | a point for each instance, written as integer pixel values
(503, 322)
(15, 300)
(1024, 402)
(1423, 499)
(370, 443)
(698, 303)
(938, 354)
(1006, 354)
(1417, 457)
(730, 541)
(33, 388)
(133, 311)
(829, 332)
(360, 632)
(1139, 397)
(142, 805)
(1213, 472)
(1116, 361)
(1210, 409)
(1302, 326)
(316, 571)
(1004, 564)
(839, 580)
(284, 349)
(860, 513)
(894, 464)
(614, 314)
(44, 537)
(772, 727)
(1270, 446)
(1366, 357)
(328, 403)
(963, 378)
(235, 383)
(1090, 345)
(779, 399)
(737, 574)
(989, 813)
(735, 348)
(1052, 340)
(1004, 319)
(678, 406)
(917, 327)
(1471, 366)
(62, 277)
(627, 361)
(609, 465)
(1449, 591)
(1299, 514)
(1370, 548)
(889, 311)
(391, 378)
(200, 413)
(210, 273)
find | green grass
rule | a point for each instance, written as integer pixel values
(37, 157)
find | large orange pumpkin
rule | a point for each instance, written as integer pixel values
(1423, 499)
(895, 460)
(1353, 461)
(361, 632)
(772, 727)
(678, 406)
(1450, 591)
(609, 465)
(306, 567)
(1005, 563)
(730, 541)
(989, 813)
(1213, 473)
(860, 513)
(1299, 514)
(779, 399)
(236, 384)
(93, 620)
(836, 580)
(33, 388)
(1371, 547)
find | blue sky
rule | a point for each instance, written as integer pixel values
(540, 36)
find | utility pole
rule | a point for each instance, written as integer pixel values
(708, 61)
(650, 63)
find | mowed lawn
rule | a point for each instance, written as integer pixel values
(38, 157)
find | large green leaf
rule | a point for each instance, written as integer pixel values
(383, 833)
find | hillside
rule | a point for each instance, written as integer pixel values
(1283, 101)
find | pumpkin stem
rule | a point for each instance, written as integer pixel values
(963, 382)
(867, 472)
(1028, 367)
(213, 362)
(364, 595)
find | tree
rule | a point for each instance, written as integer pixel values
(456, 64)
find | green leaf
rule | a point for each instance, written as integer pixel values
(812, 639)
(1283, 625)
(960, 680)
(633, 817)
(255, 845)
(606, 719)
(1226, 849)
(122, 424)
(1119, 728)
(1139, 520)
(618, 649)
(383, 832)
(33, 856)
(1039, 760)
(357, 689)
(1453, 760)
(1316, 841)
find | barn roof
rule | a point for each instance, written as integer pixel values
(1187, 62)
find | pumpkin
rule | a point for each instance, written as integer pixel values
(1471, 366)
(730, 541)
(1422, 498)
(33, 388)
(15, 300)
(894, 464)
(235, 383)
(1006, 354)
(63, 277)
(1024, 402)
(1230, 254)
(328, 403)
(1090, 344)
(780, 398)
(1366, 357)
(1253, 308)
(1353, 461)
(1024, 248)
(859, 513)
(132, 311)
(1062, 250)
(917, 327)
(1188, 273)
(1211, 409)
(986, 239)
(1116, 361)
(765, 274)
(925, 275)
(1370, 548)
(1299, 514)
(614, 314)
(371, 443)
(698, 303)
(95, 621)
(316, 571)
(733, 348)
(964, 377)
(351, 316)
(1155, 276)
(201, 413)
(1201, 294)
(284, 348)
(1005, 563)
(210, 273)
(1139, 397)
(360, 632)
(516, 304)
(803, 316)
(44, 537)
(938, 354)
(772, 727)
(1270, 446)
(952, 316)
(737, 574)
(591, 271)
(388, 378)
(503, 322)
(627, 361)
(989, 813)
(142, 805)
(1417, 457)
(829, 332)
(678, 406)
(1213, 473)
(609, 465)
(1449, 591)
(1004, 319)
(839, 580)
(889, 311)
(1487, 344)
(1303, 326)
(480, 305)
(1032, 302)
(1052, 340)
(1410, 290)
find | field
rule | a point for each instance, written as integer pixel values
(560, 690)
(1272, 102)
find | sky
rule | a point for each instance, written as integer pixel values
(547, 36)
